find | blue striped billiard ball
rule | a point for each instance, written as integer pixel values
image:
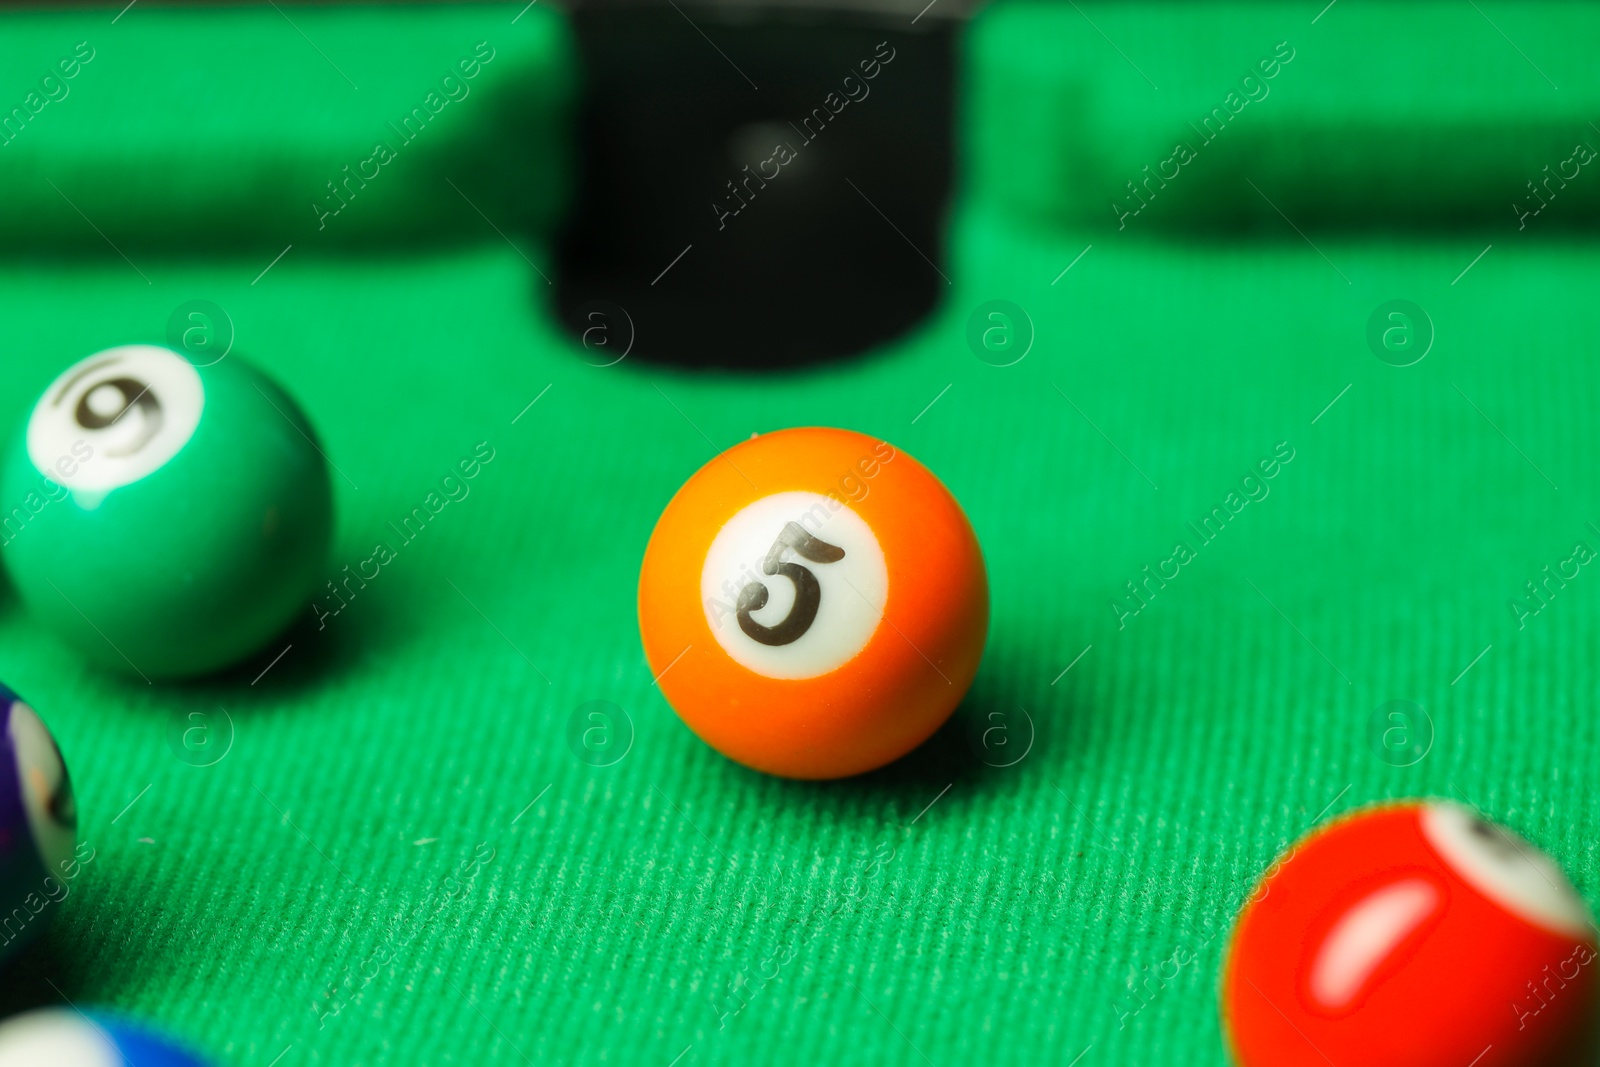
(60, 1036)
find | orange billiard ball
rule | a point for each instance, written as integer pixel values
(814, 603)
(1412, 935)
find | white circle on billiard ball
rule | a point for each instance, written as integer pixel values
(821, 572)
(55, 1036)
(115, 418)
(46, 791)
(1506, 869)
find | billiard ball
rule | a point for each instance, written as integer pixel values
(38, 824)
(1412, 935)
(62, 1036)
(813, 603)
(165, 518)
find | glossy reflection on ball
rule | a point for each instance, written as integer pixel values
(166, 519)
(38, 824)
(61, 1037)
(1412, 935)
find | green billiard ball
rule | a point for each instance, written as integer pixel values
(166, 518)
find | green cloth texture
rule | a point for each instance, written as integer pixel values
(1416, 115)
(179, 129)
(398, 855)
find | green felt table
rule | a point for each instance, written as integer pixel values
(401, 858)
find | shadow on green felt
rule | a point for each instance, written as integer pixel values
(956, 758)
(46, 973)
(299, 660)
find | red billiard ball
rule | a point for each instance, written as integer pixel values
(1412, 935)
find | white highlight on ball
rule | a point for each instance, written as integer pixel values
(1506, 869)
(1366, 936)
(42, 775)
(115, 418)
(854, 588)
